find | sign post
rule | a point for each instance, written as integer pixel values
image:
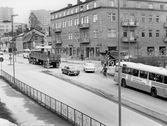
(1, 60)
(10, 58)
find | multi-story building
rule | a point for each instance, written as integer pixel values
(6, 27)
(43, 16)
(92, 26)
(5, 13)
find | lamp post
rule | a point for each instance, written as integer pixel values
(13, 49)
(119, 68)
(138, 42)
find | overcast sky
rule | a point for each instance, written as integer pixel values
(23, 7)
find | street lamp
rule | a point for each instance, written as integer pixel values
(13, 49)
(119, 68)
(137, 38)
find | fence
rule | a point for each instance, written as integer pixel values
(68, 113)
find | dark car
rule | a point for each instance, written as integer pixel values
(70, 70)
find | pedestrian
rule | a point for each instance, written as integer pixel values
(104, 70)
(82, 56)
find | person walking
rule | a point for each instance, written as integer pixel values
(104, 70)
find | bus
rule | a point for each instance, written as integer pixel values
(147, 78)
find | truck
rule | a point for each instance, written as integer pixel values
(46, 59)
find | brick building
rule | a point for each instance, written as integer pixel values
(92, 26)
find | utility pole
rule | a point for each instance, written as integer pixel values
(119, 68)
(13, 49)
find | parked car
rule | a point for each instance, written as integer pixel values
(26, 53)
(89, 67)
(70, 70)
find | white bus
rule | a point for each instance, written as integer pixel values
(144, 77)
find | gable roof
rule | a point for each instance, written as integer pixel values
(28, 36)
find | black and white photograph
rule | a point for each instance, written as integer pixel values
(83, 63)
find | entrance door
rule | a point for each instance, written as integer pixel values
(70, 51)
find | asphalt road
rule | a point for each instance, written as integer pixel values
(24, 71)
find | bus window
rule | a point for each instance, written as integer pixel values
(135, 72)
(124, 70)
(143, 74)
(159, 78)
(129, 71)
(165, 79)
(151, 76)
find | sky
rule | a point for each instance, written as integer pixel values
(24, 7)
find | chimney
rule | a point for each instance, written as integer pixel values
(79, 2)
(69, 5)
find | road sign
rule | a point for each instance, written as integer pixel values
(1, 59)
(10, 58)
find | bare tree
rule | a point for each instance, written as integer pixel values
(34, 23)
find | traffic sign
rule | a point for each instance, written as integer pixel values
(1, 59)
(10, 58)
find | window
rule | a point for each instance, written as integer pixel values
(129, 71)
(157, 33)
(150, 33)
(70, 36)
(111, 17)
(150, 19)
(75, 22)
(124, 69)
(143, 18)
(125, 33)
(138, 5)
(36, 37)
(143, 74)
(95, 18)
(150, 51)
(135, 72)
(151, 76)
(162, 50)
(112, 33)
(68, 12)
(165, 79)
(87, 7)
(76, 10)
(143, 34)
(162, 6)
(55, 15)
(94, 5)
(82, 20)
(97, 51)
(111, 3)
(95, 33)
(71, 11)
(86, 19)
(81, 8)
(64, 13)
(158, 78)
(157, 19)
(150, 5)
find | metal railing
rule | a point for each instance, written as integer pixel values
(67, 112)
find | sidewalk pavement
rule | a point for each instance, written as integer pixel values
(96, 63)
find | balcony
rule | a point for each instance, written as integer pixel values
(84, 40)
(165, 39)
(84, 26)
(130, 23)
(127, 40)
(165, 25)
(57, 30)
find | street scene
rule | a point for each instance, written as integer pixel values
(83, 63)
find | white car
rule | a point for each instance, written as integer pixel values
(89, 67)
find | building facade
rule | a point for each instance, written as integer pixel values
(91, 27)
(5, 13)
(43, 16)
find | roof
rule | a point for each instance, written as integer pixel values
(140, 66)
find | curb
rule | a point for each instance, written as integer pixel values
(126, 103)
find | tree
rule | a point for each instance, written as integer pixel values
(34, 23)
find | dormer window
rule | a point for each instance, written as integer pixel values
(87, 7)
(71, 11)
(162, 6)
(150, 5)
(111, 3)
(64, 13)
(81, 8)
(76, 10)
(94, 5)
